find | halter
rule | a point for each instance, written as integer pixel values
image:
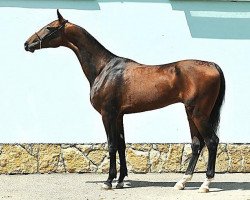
(41, 39)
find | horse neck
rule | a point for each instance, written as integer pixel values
(92, 56)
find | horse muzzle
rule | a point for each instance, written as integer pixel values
(30, 47)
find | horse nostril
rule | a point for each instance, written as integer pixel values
(26, 46)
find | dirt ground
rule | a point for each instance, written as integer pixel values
(137, 186)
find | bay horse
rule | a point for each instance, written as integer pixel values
(121, 86)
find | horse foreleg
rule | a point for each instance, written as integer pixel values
(121, 151)
(110, 125)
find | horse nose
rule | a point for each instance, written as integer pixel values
(26, 46)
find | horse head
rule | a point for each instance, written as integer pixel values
(50, 36)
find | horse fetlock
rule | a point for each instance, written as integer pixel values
(203, 189)
(205, 185)
(180, 185)
(107, 185)
(121, 178)
(120, 185)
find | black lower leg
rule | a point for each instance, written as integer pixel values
(212, 145)
(109, 122)
(197, 141)
(112, 167)
(121, 150)
(197, 146)
(123, 165)
(112, 171)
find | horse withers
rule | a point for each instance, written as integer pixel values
(121, 86)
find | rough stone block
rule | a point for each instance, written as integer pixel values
(173, 162)
(163, 147)
(75, 161)
(14, 159)
(235, 158)
(142, 147)
(222, 159)
(97, 156)
(138, 161)
(245, 152)
(155, 161)
(49, 155)
(85, 148)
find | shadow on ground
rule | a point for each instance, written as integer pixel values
(220, 186)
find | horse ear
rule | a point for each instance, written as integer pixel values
(60, 17)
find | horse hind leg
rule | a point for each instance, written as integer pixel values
(206, 130)
(211, 141)
(196, 146)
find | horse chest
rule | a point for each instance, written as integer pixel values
(103, 91)
(96, 96)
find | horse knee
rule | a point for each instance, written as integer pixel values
(112, 150)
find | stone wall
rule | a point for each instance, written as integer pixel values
(141, 158)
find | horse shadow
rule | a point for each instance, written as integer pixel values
(215, 186)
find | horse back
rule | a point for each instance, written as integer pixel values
(149, 87)
(156, 86)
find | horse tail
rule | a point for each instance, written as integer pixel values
(214, 119)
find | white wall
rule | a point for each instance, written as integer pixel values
(44, 97)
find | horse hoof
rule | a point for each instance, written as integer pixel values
(106, 186)
(179, 186)
(120, 185)
(203, 190)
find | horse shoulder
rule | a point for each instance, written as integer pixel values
(106, 86)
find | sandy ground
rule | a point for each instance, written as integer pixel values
(138, 186)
